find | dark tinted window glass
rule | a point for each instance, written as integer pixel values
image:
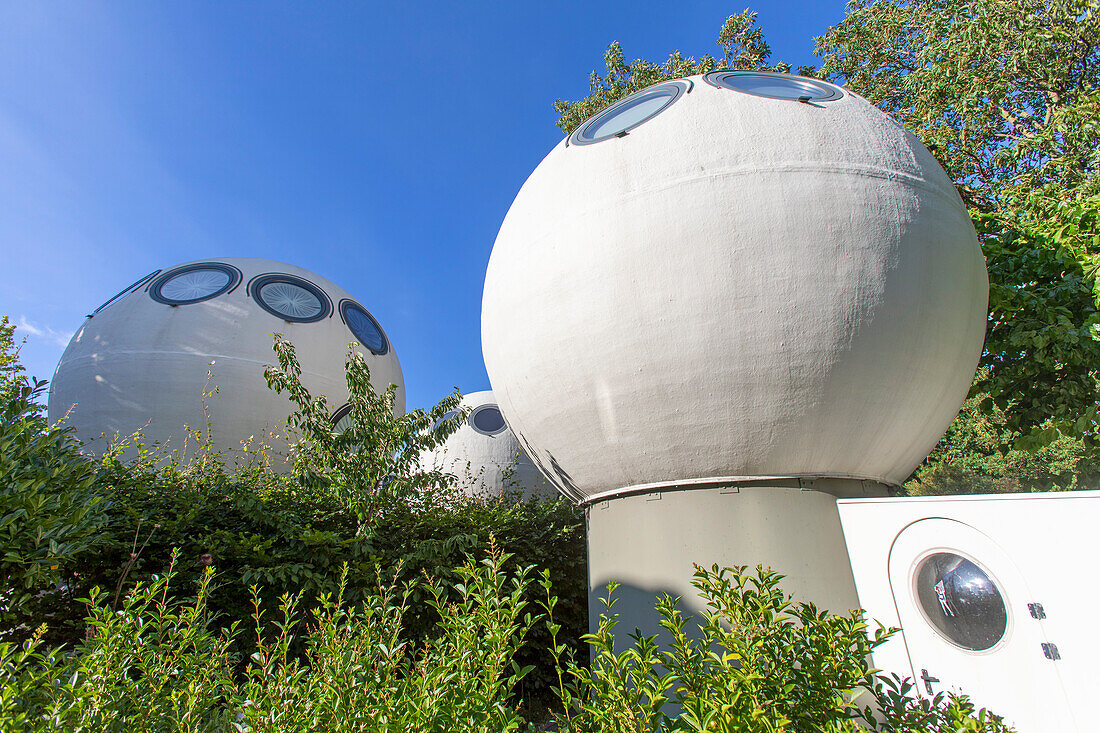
(487, 420)
(364, 327)
(961, 601)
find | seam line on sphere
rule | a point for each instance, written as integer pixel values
(215, 357)
(922, 183)
(720, 481)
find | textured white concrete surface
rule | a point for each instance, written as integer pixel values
(139, 364)
(487, 465)
(1038, 549)
(739, 287)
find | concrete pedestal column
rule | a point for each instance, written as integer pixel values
(648, 542)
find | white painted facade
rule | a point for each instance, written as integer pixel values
(487, 462)
(139, 364)
(1037, 549)
(739, 287)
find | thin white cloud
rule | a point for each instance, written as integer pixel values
(61, 338)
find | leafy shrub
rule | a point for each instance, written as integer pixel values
(759, 662)
(157, 666)
(50, 510)
(762, 663)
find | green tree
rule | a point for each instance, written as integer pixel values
(50, 508)
(743, 47)
(10, 368)
(1004, 92)
(375, 460)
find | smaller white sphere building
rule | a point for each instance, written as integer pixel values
(485, 456)
(140, 360)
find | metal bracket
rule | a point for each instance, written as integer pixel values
(1036, 610)
(928, 680)
(1050, 651)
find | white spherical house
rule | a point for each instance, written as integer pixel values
(721, 303)
(485, 457)
(140, 361)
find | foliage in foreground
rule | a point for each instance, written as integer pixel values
(50, 510)
(154, 665)
(758, 662)
(754, 660)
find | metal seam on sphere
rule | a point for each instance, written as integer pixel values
(798, 480)
(127, 291)
(886, 175)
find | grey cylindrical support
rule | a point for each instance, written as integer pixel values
(648, 543)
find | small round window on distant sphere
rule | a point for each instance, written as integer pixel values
(626, 114)
(363, 326)
(341, 419)
(447, 416)
(291, 298)
(775, 86)
(487, 420)
(961, 601)
(194, 283)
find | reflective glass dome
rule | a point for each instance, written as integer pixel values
(626, 114)
(487, 420)
(194, 283)
(775, 86)
(961, 601)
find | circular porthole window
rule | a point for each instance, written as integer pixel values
(487, 420)
(194, 283)
(341, 419)
(626, 114)
(290, 298)
(128, 289)
(774, 85)
(363, 326)
(960, 601)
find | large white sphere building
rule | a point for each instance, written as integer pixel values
(484, 455)
(743, 295)
(140, 361)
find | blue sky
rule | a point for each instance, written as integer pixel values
(378, 145)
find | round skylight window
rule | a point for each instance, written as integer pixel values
(626, 114)
(365, 329)
(775, 86)
(290, 298)
(961, 601)
(487, 420)
(194, 283)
